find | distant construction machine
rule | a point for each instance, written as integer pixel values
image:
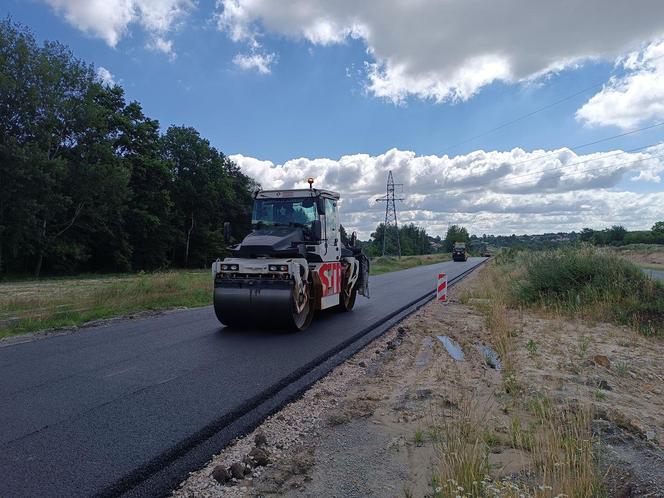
(292, 263)
(460, 252)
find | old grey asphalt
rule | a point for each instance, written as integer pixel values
(82, 412)
(656, 274)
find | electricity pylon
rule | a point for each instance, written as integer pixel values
(391, 211)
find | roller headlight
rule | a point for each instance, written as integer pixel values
(277, 267)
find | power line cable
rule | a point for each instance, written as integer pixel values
(566, 166)
(532, 113)
(604, 156)
(522, 117)
(599, 168)
(588, 144)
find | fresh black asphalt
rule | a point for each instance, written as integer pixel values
(97, 411)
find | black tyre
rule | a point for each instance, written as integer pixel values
(233, 322)
(347, 301)
(301, 320)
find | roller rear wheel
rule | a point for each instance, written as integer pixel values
(347, 300)
(302, 320)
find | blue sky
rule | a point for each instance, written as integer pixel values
(317, 101)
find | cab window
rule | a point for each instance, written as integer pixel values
(331, 218)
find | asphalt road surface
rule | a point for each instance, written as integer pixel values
(85, 413)
(657, 274)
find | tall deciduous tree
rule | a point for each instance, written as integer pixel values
(455, 233)
(88, 183)
(208, 189)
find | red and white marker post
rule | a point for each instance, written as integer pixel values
(441, 288)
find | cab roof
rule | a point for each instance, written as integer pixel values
(288, 193)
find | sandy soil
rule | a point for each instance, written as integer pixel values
(364, 429)
(643, 257)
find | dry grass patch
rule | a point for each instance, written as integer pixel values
(562, 449)
(644, 255)
(554, 442)
(462, 452)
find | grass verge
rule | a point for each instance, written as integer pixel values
(31, 305)
(586, 282)
(36, 305)
(651, 266)
(386, 264)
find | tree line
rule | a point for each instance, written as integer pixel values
(618, 235)
(413, 239)
(416, 241)
(88, 182)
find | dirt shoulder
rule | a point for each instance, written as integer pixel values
(648, 256)
(384, 423)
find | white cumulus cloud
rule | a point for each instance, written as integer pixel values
(162, 45)
(492, 192)
(255, 61)
(105, 76)
(110, 19)
(449, 50)
(633, 99)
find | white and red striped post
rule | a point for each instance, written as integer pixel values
(441, 289)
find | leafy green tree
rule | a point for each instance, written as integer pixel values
(88, 183)
(658, 227)
(375, 247)
(208, 189)
(455, 233)
(150, 207)
(616, 233)
(414, 241)
(44, 119)
(345, 240)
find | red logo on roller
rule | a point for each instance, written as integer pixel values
(330, 278)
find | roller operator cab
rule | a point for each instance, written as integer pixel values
(459, 252)
(292, 264)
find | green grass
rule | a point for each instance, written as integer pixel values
(418, 438)
(640, 248)
(651, 266)
(31, 305)
(588, 282)
(386, 264)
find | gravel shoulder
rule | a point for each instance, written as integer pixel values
(366, 428)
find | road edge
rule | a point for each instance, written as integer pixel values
(161, 475)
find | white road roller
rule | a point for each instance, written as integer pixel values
(292, 264)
